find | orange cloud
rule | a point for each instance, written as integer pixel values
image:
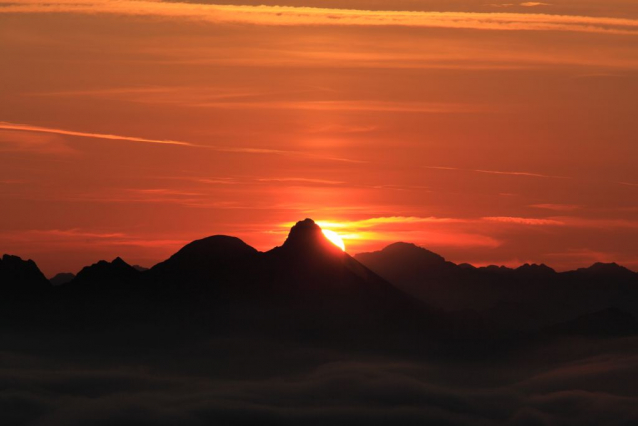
(287, 15)
(524, 221)
(556, 207)
(376, 232)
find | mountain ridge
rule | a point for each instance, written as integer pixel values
(221, 279)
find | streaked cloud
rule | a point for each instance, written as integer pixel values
(391, 220)
(538, 175)
(556, 207)
(380, 231)
(36, 129)
(357, 105)
(524, 221)
(287, 15)
(246, 150)
(500, 172)
(301, 180)
(569, 221)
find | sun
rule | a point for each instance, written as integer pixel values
(334, 238)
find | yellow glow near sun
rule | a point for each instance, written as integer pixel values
(334, 238)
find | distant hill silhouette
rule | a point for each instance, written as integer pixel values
(528, 296)
(204, 259)
(62, 278)
(140, 268)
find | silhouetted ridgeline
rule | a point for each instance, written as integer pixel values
(308, 285)
(530, 296)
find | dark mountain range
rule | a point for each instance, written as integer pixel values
(107, 271)
(220, 284)
(308, 283)
(528, 296)
(103, 279)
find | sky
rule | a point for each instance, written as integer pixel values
(490, 133)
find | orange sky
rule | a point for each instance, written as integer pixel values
(488, 132)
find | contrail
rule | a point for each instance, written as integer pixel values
(105, 136)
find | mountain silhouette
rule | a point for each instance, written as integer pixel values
(308, 285)
(205, 259)
(62, 278)
(101, 282)
(106, 271)
(220, 285)
(21, 277)
(321, 281)
(530, 296)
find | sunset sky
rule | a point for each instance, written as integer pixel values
(490, 133)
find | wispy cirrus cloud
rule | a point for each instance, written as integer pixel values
(356, 105)
(301, 180)
(556, 207)
(499, 172)
(524, 4)
(389, 220)
(36, 129)
(230, 149)
(524, 221)
(287, 15)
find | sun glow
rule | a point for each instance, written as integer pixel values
(334, 238)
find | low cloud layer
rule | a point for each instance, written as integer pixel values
(585, 391)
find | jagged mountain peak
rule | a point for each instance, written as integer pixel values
(104, 270)
(307, 237)
(21, 276)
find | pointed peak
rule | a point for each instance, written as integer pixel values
(307, 235)
(305, 225)
(304, 231)
(119, 261)
(103, 270)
